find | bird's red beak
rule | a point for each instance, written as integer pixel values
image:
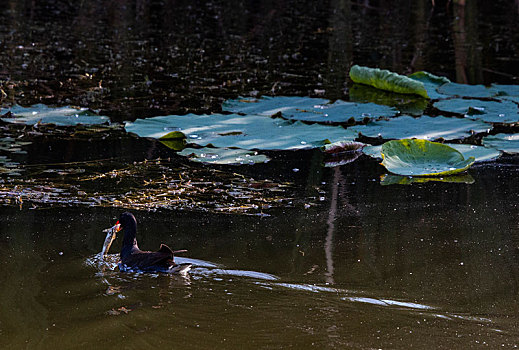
(117, 226)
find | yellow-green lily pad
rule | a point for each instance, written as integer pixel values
(418, 157)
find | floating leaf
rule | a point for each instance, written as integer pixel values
(480, 153)
(424, 127)
(40, 113)
(390, 179)
(508, 143)
(431, 83)
(423, 158)
(342, 152)
(269, 106)
(507, 90)
(464, 90)
(514, 99)
(342, 147)
(245, 132)
(488, 111)
(408, 104)
(224, 156)
(386, 80)
(175, 140)
(309, 109)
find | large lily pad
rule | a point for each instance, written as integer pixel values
(405, 103)
(40, 113)
(386, 80)
(488, 111)
(424, 127)
(269, 106)
(245, 132)
(465, 90)
(480, 153)
(508, 143)
(223, 156)
(431, 83)
(309, 109)
(423, 158)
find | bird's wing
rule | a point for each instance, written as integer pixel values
(165, 249)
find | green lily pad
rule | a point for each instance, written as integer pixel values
(386, 80)
(480, 153)
(465, 90)
(390, 179)
(309, 109)
(424, 127)
(245, 132)
(407, 104)
(175, 140)
(488, 111)
(508, 143)
(423, 158)
(431, 83)
(40, 113)
(223, 156)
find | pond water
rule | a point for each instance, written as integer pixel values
(428, 266)
(287, 254)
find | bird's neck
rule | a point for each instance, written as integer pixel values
(129, 240)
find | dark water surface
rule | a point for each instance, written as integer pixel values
(428, 266)
(141, 58)
(289, 254)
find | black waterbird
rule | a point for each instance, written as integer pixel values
(132, 258)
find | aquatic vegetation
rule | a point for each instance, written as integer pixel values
(224, 156)
(340, 153)
(424, 127)
(480, 153)
(309, 109)
(250, 132)
(405, 103)
(42, 114)
(465, 90)
(387, 80)
(431, 83)
(148, 185)
(487, 111)
(508, 143)
(392, 179)
(423, 158)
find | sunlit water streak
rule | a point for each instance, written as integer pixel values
(108, 268)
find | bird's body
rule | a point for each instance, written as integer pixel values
(132, 258)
